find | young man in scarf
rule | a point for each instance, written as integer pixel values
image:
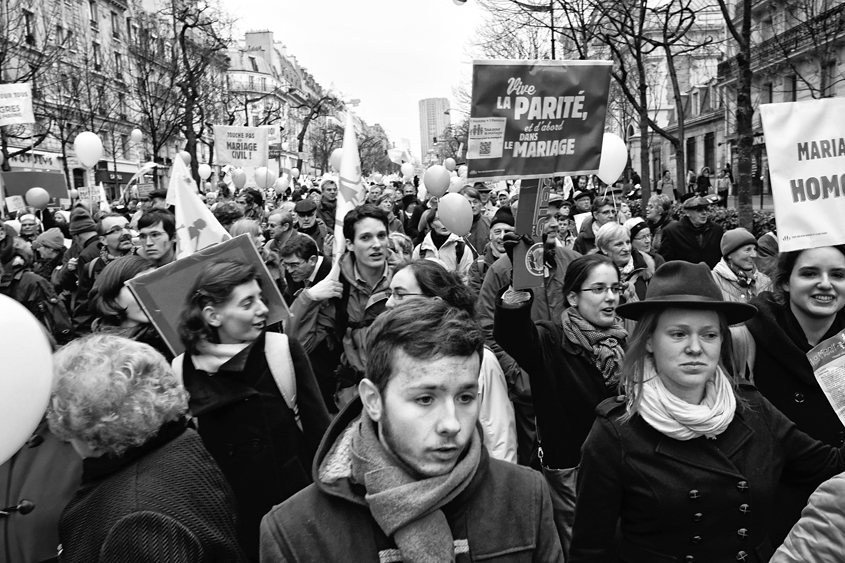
(402, 474)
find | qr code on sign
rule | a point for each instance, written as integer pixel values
(485, 148)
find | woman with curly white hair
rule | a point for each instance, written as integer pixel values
(150, 491)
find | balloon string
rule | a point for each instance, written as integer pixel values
(469, 244)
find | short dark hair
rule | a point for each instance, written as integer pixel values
(366, 211)
(580, 269)
(110, 282)
(600, 202)
(213, 286)
(227, 213)
(436, 281)
(469, 191)
(423, 329)
(157, 215)
(300, 245)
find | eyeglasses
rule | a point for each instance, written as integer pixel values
(293, 265)
(400, 296)
(153, 236)
(643, 237)
(117, 229)
(603, 289)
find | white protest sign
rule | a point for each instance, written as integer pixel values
(16, 104)
(89, 194)
(805, 142)
(241, 146)
(15, 203)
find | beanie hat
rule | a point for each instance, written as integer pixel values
(734, 239)
(634, 226)
(503, 215)
(51, 238)
(81, 221)
(328, 178)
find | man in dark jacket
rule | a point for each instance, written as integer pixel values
(695, 238)
(328, 201)
(402, 474)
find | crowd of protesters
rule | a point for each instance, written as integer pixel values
(651, 400)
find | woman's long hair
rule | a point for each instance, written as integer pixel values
(436, 281)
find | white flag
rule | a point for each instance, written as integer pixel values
(350, 190)
(104, 201)
(196, 225)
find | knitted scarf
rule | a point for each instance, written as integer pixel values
(736, 275)
(405, 507)
(605, 346)
(680, 420)
(212, 356)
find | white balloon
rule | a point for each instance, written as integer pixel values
(614, 157)
(450, 164)
(88, 148)
(294, 172)
(25, 352)
(334, 159)
(436, 180)
(204, 171)
(282, 184)
(264, 177)
(285, 145)
(137, 135)
(407, 169)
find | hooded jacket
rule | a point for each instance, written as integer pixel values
(504, 514)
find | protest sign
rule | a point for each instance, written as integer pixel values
(805, 142)
(15, 203)
(89, 194)
(241, 146)
(163, 292)
(19, 183)
(529, 261)
(144, 190)
(532, 119)
(16, 104)
(828, 361)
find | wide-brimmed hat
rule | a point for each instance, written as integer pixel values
(683, 285)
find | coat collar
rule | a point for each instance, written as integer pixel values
(711, 455)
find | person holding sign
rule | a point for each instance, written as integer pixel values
(686, 463)
(804, 308)
(573, 364)
(259, 409)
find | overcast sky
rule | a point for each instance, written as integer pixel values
(388, 53)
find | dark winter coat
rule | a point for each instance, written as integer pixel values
(566, 385)
(504, 515)
(252, 434)
(682, 241)
(478, 235)
(163, 501)
(46, 472)
(695, 500)
(783, 375)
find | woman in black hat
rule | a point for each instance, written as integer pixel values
(687, 462)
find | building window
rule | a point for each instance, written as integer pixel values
(98, 61)
(252, 83)
(263, 84)
(792, 94)
(129, 29)
(70, 40)
(710, 150)
(29, 27)
(121, 105)
(766, 94)
(124, 146)
(829, 79)
(60, 34)
(254, 64)
(93, 13)
(690, 154)
(115, 25)
(101, 100)
(118, 65)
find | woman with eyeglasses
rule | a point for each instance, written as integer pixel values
(573, 364)
(635, 268)
(426, 279)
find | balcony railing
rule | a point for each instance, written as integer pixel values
(824, 27)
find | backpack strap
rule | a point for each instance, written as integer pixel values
(91, 268)
(277, 352)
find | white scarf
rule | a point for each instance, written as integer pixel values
(212, 356)
(680, 420)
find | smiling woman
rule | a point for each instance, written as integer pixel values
(239, 378)
(681, 462)
(804, 307)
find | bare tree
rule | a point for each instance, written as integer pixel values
(32, 39)
(311, 109)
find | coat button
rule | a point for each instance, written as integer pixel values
(744, 508)
(742, 532)
(694, 494)
(697, 517)
(799, 397)
(741, 556)
(742, 485)
(696, 539)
